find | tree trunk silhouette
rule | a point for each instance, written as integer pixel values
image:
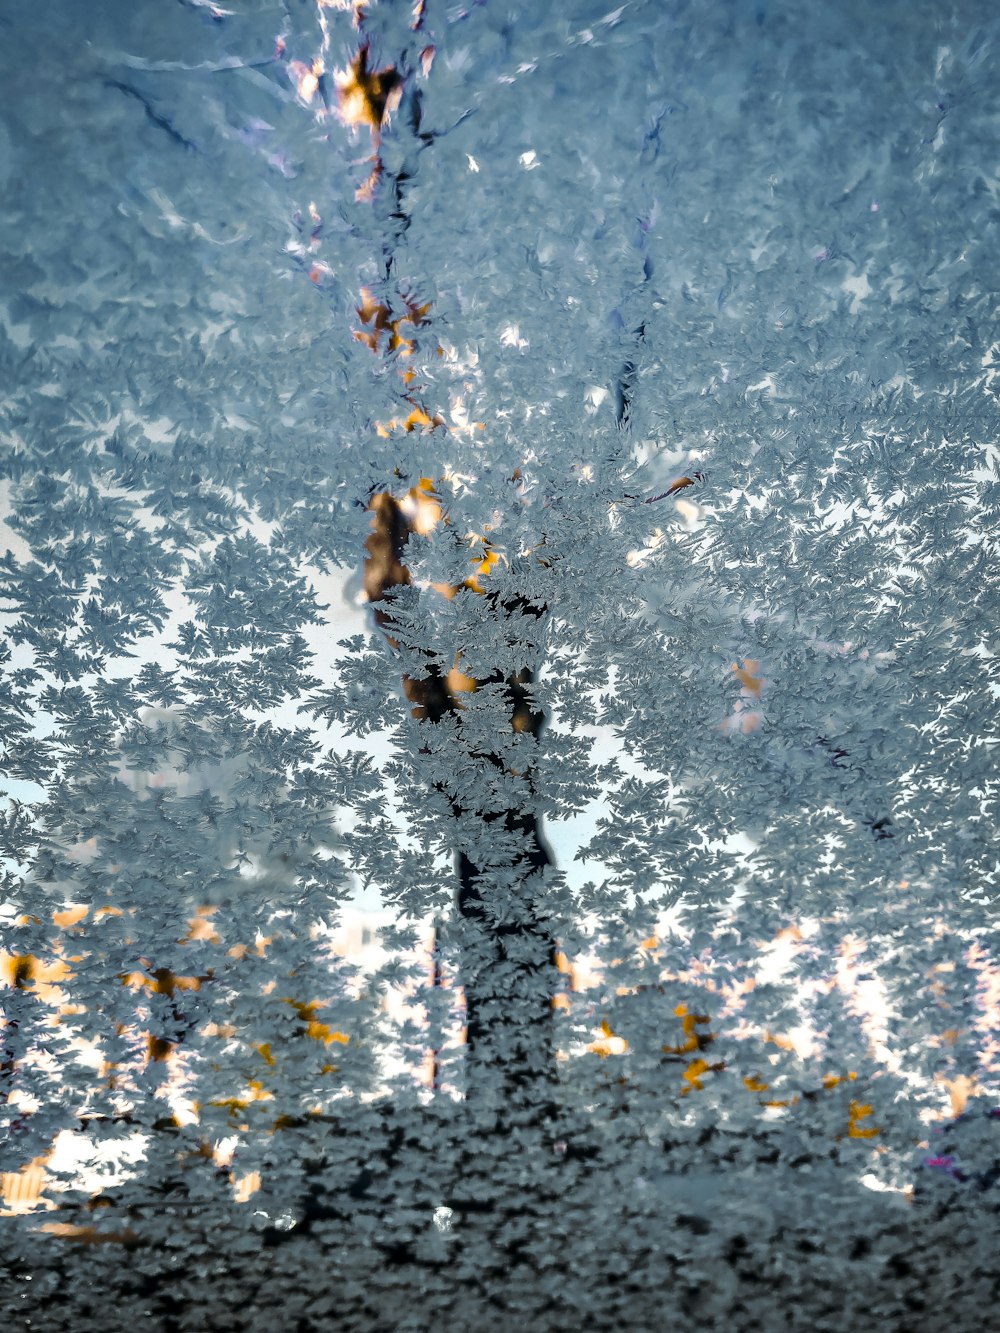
(507, 947)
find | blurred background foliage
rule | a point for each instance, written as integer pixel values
(600, 926)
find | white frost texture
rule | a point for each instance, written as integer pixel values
(499, 530)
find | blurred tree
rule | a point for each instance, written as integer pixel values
(643, 361)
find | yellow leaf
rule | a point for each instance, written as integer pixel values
(860, 1111)
(692, 1075)
(314, 1028)
(367, 95)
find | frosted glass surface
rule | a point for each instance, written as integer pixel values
(499, 509)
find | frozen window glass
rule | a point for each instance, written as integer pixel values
(500, 714)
